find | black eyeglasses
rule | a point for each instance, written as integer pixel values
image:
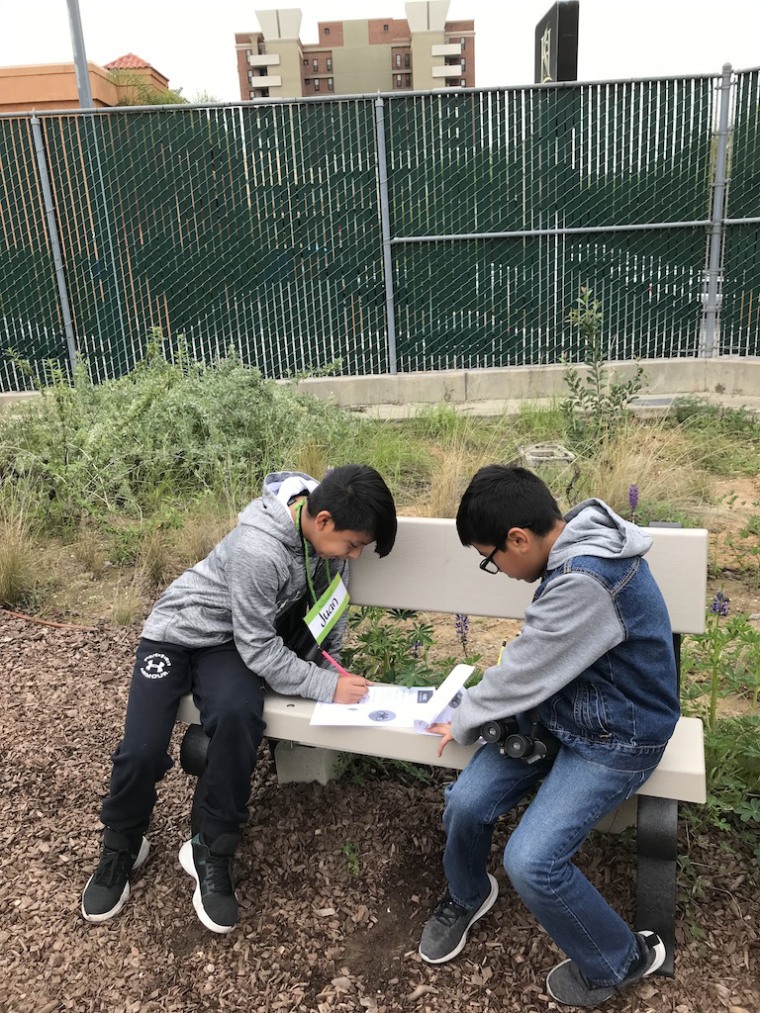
(488, 565)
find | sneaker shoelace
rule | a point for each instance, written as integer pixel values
(113, 866)
(448, 911)
(218, 878)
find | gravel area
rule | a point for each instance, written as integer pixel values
(335, 882)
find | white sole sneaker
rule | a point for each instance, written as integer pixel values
(567, 986)
(96, 919)
(188, 864)
(484, 908)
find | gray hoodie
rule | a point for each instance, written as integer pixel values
(572, 622)
(244, 585)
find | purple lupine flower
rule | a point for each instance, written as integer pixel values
(719, 605)
(462, 626)
(414, 650)
(633, 497)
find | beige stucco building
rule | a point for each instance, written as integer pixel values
(424, 51)
(54, 85)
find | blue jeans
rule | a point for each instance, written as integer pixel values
(574, 795)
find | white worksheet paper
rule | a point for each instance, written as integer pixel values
(398, 706)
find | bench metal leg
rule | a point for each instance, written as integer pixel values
(657, 846)
(193, 750)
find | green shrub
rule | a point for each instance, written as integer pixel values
(165, 433)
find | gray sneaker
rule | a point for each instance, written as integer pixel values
(445, 933)
(569, 986)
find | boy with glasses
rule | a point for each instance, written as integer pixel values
(593, 671)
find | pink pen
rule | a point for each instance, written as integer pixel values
(334, 663)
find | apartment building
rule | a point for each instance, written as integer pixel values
(421, 52)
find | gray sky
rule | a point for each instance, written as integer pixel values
(192, 42)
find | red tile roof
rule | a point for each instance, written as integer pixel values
(127, 62)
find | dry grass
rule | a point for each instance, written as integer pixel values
(199, 534)
(127, 603)
(89, 551)
(16, 560)
(654, 458)
(312, 458)
(154, 560)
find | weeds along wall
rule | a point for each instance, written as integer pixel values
(385, 233)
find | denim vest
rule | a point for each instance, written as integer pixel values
(621, 711)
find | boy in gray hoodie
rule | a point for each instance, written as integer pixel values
(226, 629)
(591, 686)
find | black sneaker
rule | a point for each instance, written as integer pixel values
(445, 933)
(568, 985)
(107, 888)
(214, 899)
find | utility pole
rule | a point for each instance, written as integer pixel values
(80, 57)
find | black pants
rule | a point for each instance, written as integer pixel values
(230, 699)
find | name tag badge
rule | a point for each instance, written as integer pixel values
(328, 610)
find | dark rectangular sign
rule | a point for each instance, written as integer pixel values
(557, 43)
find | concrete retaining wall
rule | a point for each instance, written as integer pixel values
(664, 377)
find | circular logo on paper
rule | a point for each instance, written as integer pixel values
(381, 715)
(155, 666)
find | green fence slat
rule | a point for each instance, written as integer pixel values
(257, 227)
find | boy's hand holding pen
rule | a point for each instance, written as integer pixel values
(350, 688)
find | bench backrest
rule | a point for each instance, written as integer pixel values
(429, 570)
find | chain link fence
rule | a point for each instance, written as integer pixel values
(382, 234)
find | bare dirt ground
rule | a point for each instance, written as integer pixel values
(335, 882)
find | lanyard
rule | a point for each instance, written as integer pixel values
(305, 544)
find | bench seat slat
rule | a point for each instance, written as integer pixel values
(681, 773)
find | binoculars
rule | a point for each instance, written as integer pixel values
(538, 744)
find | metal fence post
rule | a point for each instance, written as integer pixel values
(55, 245)
(715, 243)
(385, 222)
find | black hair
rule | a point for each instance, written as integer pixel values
(499, 498)
(357, 499)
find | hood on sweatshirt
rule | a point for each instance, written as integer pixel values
(594, 529)
(280, 488)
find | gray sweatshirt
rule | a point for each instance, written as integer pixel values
(567, 629)
(244, 585)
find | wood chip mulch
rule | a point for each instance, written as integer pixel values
(335, 882)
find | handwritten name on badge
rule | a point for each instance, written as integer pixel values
(327, 610)
(331, 607)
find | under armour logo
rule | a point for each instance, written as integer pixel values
(155, 666)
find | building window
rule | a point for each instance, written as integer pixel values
(316, 84)
(327, 30)
(315, 65)
(463, 42)
(407, 59)
(306, 63)
(307, 80)
(463, 63)
(463, 83)
(409, 80)
(330, 84)
(385, 28)
(251, 94)
(398, 80)
(398, 59)
(249, 52)
(329, 63)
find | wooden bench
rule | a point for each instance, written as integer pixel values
(430, 571)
